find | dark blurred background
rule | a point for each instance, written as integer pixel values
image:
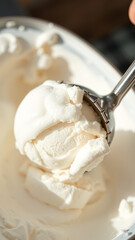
(103, 23)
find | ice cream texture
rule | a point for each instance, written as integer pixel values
(32, 62)
(40, 200)
(126, 214)
(52, 128)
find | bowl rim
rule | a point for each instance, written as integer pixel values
(33, 21)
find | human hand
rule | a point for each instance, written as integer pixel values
(131, 12)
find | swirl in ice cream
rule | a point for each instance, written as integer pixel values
(64, 140)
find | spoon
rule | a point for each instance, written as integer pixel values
(104, 106)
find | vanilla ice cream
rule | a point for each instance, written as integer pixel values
(9, 44)
(56, 189)
(126, 215)
(38, 60)
(32, 62)
(51, 128)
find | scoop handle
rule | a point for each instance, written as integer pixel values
(123, 86)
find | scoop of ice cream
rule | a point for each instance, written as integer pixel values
(63, 136)
(52, 131)
(126, 215)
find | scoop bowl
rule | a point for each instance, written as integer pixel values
(104, 106)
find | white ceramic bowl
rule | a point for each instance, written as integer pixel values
(105, 76)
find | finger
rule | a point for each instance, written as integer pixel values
(131, 12)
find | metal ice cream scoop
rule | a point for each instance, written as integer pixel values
(104, 106)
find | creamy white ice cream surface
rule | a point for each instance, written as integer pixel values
(57, 188)
(126, 215)
(52, 130)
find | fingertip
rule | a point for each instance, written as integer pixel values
(131, 12)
